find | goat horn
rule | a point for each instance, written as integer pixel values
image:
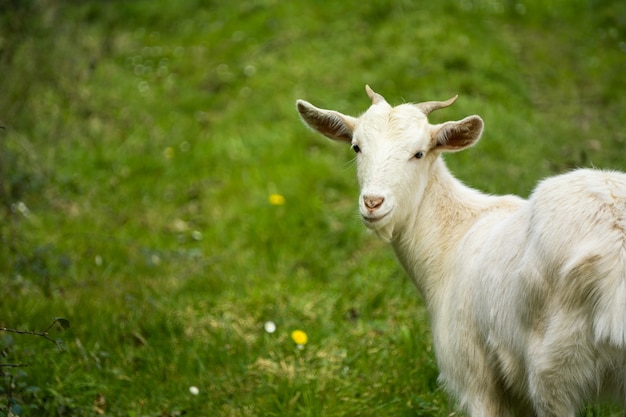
(374, 96)
(430, 106)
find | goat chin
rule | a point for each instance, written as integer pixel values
(382, 228)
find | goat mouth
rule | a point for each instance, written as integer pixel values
(373, 219)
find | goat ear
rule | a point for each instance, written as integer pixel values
(329, 123)
(455, 136)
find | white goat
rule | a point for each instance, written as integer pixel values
(527, 297)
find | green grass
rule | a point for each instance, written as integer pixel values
(143, 139)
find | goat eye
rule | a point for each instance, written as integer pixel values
(356, 148)
(419, 155)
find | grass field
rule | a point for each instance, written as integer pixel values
(158, 190)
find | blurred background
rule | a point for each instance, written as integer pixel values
(159, 192)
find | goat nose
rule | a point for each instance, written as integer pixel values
(373, 202)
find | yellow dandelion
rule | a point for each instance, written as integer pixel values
(299, 337)
(277, 199)
(168, 152)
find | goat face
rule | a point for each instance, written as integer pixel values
(393, 154)
(395, 147)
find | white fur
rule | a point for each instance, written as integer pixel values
(527, 297)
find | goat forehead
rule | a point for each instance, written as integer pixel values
(404, 123)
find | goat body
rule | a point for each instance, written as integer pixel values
(527, 298)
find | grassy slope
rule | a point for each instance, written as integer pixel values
(146, 137)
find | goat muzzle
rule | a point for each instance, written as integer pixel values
(373, 202)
